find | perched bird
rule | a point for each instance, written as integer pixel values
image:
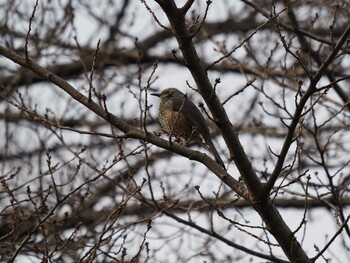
(179, 117)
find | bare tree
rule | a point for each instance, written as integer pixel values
(87, 175)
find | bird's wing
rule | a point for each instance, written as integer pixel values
(195, 118)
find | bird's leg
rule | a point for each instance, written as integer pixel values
(169, 138)
(158, 133)
(181, 141)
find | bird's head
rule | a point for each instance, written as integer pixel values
(168, 93)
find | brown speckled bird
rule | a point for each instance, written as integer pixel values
(179, 117)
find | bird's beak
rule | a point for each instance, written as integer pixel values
(155, 94)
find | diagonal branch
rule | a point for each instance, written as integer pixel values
(223, 239)
(127, 129)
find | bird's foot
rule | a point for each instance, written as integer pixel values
(158, 133)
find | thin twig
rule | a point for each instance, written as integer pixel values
(93, 68)
(154, 16)
(332, 239)
(29, 29)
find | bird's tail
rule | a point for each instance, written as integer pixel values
(211, 148)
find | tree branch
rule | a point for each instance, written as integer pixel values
(127, 129)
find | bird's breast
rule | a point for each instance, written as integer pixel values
(174, 123)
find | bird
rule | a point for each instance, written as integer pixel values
(179, 117)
